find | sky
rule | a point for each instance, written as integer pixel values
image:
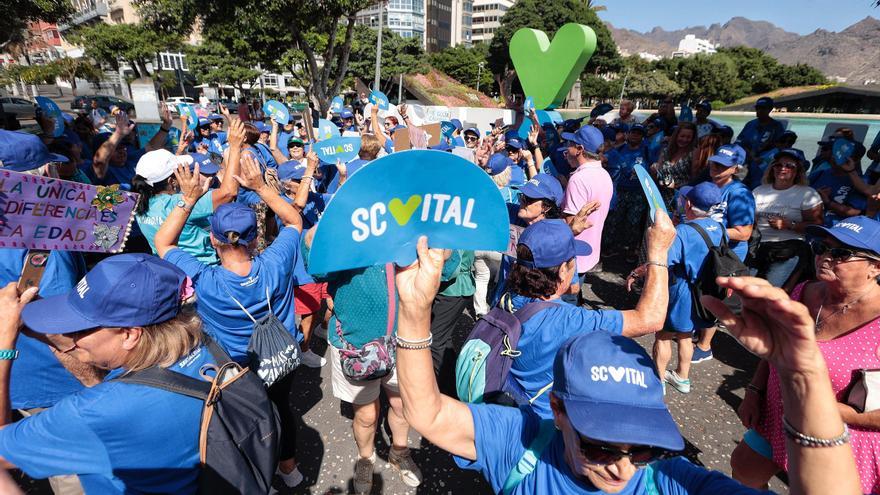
(799, 16)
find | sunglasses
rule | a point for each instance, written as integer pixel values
(512, 150)
(471, 138)
(525, 200)
(387, 124)
(294, 145)
(604, 454)
(838, 253)
(792, 166)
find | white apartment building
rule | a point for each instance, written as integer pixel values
(487, 18)
(404, 17)
(691, 45)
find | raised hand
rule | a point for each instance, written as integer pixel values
(124, 126)
(12, 303)
(224, 110)
(165, 115)
(250, 176)
(235, 135)
(417, 284)
(192, 185)
(533, 135)
(660, 236)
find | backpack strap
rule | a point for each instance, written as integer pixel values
(530, 458)
(705, 235)
(392, 296)
(165, 379)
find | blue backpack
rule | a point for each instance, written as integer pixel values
(488, 353)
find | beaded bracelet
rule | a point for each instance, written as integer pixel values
(657, 263)
(808, 441)
(426, 345)
(429, 338)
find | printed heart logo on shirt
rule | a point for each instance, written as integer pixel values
(401, 211)
(548, 70)
(617, 372)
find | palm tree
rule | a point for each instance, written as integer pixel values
(591, 4)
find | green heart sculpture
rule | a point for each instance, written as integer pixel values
(548, 70)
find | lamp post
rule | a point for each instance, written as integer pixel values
(378, 49)
(479, 74)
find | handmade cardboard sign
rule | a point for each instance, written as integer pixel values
(548, 70)
(655, 199)
(401, 139)
(51, 110)
(378, 98)
(277, 111)
(326, 130)
(336, 104)
(434, 133)
(338, 148)
(192, 118)
(842, 150)
(44, 213)
(383, 209)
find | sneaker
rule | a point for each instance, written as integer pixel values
(363, 475)
(290, 479)
(677, 382)
(312, 360)
(403, 463)
(701, 355)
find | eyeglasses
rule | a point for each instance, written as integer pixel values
(838, 253)
(639, 456)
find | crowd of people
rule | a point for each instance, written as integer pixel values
(219, 254)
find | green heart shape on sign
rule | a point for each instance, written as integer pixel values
(548, 70)
(401, 211)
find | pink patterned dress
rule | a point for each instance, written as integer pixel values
(856, 350)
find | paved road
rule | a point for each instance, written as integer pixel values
(327, 452)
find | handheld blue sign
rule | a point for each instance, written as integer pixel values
(378, 98)
(336, 104)
(842, 150)
(54, 112)
(326, 130)
(655, 199)
(528, 105)
(685, 114)
(379, 214)
(277, 111)
(447, 128)
(524, 128)
(338, 148)
(192, 118)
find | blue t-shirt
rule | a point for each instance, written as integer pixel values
(216, 286)
(542, 335)
(281, 142)
(266, 153)
(842, 191)
(116, 174)
(301, 275)
(517, 174)
(215, 142)
(351, 168)
(194, 238)
(737, 208)
(687, 255)
(759, 167)
(621, 166)
(502, 434)
(754, 135)
(38, 379)
(118, 437)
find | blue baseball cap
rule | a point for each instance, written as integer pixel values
(291, 170)
(656, 122)
(498, 163)
(472, 130)
(215, 116)
(729, 155)
(514, 141)
(859, 232)
(203, 122)
(544, 186)
(571, 125)
(262, 127)
(705, 105)
(704, 195)
(234, 217)
(20, 152)
(206, 165)
(792, 152)
(612, 393)
(764, 101)
(588, 136)
(551, 243)
(638, 128)
(609, 133)
(457, 124)
(346, 114)
(126, 290)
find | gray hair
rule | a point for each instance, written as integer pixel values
(699, 212)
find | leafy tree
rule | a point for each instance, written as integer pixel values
(135, 44)
(70, 69)
(800, 75)
(323, 31)
(18, 13)
(214, 63)
(549, 16)
(463, 63)
(399, 55)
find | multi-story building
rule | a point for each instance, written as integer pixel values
(691, 45)
(462, 22)
(404, 17)
(487, 16)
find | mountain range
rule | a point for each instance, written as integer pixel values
(850, 56)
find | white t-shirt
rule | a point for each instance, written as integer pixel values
(789, 203)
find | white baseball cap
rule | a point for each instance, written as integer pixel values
(156, 166)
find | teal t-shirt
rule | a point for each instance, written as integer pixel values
(360, 304)
(194, 238)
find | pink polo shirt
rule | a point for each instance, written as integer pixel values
(588, 183)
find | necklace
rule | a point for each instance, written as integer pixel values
(842, 310)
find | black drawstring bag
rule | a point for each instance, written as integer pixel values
(272, 351)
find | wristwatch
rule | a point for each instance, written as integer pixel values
(182, 204)
(8, 354)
